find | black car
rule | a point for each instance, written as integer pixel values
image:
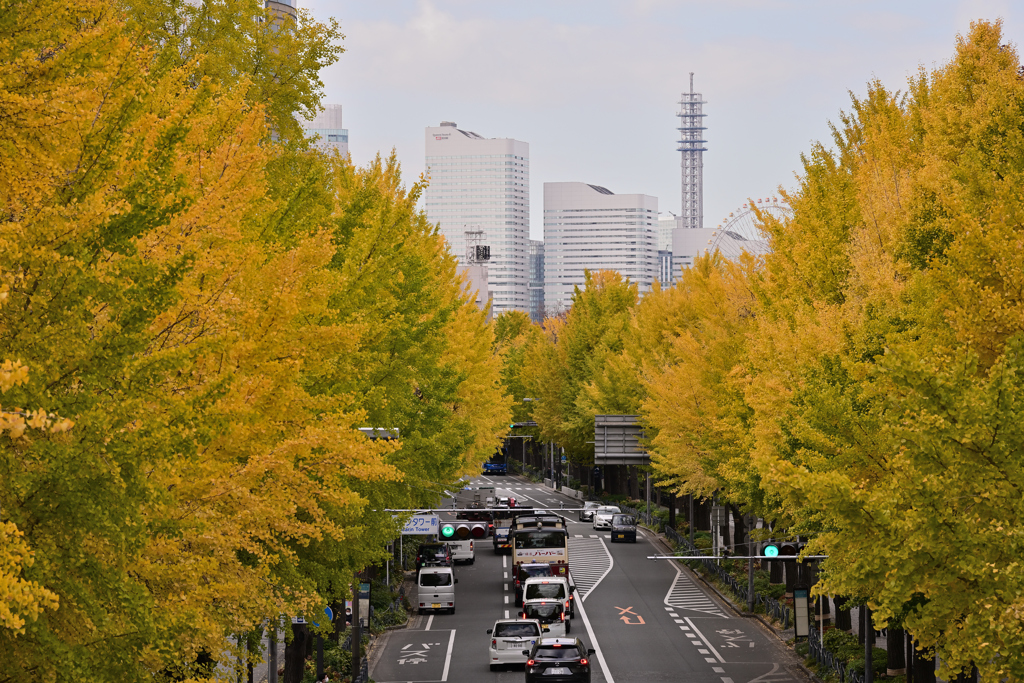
(558, 659)
(525, 571)
(623, 528)
(433, 555)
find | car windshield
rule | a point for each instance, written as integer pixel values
(555, 589)
(532, 540)
(433, 551)
(432, 579)
(624, 520)
(591, 506)
(565, 652)
(544, 611)
(518, 630)
(608, 510)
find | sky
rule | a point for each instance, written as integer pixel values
(593, 85)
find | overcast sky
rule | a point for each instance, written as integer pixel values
(593, 85)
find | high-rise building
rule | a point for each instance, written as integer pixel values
(327, 124)
(589, 227)
(537, 281)
(691, 130)
(479, 183)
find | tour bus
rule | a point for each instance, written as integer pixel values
(540, 539)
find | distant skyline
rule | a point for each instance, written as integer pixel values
(593, 86)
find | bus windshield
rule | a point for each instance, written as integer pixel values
(532, 540)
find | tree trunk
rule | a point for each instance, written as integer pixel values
(775, 572)
(740, 535)
(295, 654)
(897, 661)
(672, 509)
(924, 666)
(843, 620)
(790, 566)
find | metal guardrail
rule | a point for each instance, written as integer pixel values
(825, 658)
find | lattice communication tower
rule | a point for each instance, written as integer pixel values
(691, 131)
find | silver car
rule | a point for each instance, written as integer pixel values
(509, 638)
(603, 516)
(587, 513)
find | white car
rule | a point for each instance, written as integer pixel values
(587, 513)
(603, 516)
(509, 638)
(551, 615)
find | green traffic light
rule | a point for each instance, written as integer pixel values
(771, 551)
(447, 530)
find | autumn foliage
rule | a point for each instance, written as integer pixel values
(199, 310)
(863, 384)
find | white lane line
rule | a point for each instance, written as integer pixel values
(706, 641)
(596, 645)
(718, 669)
(430, 620)
(506, 597)
(448, 658)
(504, 575)
(506, 614)
(709, 660)
(504, 561)
(726, 680)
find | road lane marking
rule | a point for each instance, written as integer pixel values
(506, 598)
(504, 561)
(430, 620)
(684, 594)
(718, 669)
(448, 658)
(587, 564)
(596, 645)
(706, 642)
(726, 680)
(709, 660)
(506, 614)
(629, 610)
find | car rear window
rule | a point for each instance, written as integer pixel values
(431, 579)
(545, 611)
(516, 630)
(565, 652)
(623, 519)
(606, 510)
(554, 589)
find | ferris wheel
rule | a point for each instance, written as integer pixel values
(741, 230)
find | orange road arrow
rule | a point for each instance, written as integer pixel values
(629, 610)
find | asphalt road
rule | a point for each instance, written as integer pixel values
(648, 619)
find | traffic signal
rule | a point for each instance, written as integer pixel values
(769, 549)
(791, 548)
(462, 531)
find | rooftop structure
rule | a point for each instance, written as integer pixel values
(691, 131)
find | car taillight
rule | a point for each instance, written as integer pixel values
(530, 662)
(494, 644)
(566, 604)
(584, 661)
(562, 616)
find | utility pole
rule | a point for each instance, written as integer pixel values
(272, 654)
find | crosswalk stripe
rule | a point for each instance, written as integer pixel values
(684, 594)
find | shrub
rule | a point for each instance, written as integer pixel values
(879, 661)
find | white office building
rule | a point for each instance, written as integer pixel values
(327, 125)
(589, 227)
(483, 184)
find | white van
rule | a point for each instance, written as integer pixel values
(551, 588)
(463, 551)
(436, 589)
